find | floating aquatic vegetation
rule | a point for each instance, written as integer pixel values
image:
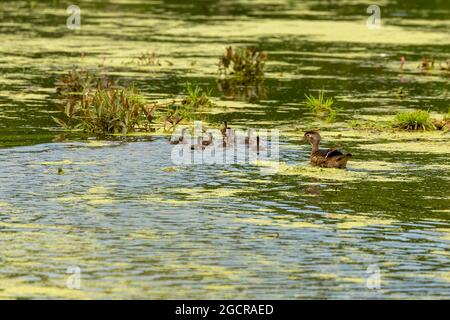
(347, 221)
(16, 289)
(413, 120)
(244, 64)
(322, 107)
(328, 221)
(424, 146)
(148, 59)
(279, 223)
(93, 196)
(56, 163)
(369, 170)
(366, 124)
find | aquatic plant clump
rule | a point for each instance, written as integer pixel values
(108, 111)
(322, 107)
(413, 120)
(244, 64)
(196, 98)
(192, 107)
(104, 109)
(75, 83)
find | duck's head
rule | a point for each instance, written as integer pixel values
(313, 137)
(184, 131)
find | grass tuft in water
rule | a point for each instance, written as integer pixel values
(109, 111)
(96, 104)
(413, 120)
(192, 107)
(244, 64)
(322, 107)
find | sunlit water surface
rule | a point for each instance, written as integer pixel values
(139, 227)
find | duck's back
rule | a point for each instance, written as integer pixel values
(329, 158)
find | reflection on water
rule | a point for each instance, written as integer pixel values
(140, 227)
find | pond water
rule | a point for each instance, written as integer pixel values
(137, 226)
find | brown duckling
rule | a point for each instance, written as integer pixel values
(326, 158)
(209, 141)
(249, 138)
(182, 139)
(402, 62)
(199, 145)
(230, 136)
(426, 64)
(251, 141)
(223, 130)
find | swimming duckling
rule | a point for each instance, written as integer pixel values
(446, 68)
(209, 141)
(326, 158)
(230, 136)
(256, 146)
(249, 138)
(426, 64)
(402, 62)
(182, 139)
(199, 145)
(252, 142)
(223, 130)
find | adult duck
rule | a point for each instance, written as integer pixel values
(325, 158)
